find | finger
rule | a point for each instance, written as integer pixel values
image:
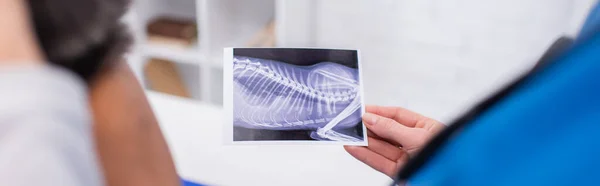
(391, 130)
(375, 136)
(385, 149)
(400, 115)
(372, 159)
(402, 160)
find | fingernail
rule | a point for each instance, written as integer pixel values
(369, 118)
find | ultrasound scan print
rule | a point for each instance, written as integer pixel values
(279, 100)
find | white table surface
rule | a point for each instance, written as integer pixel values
(194, 134)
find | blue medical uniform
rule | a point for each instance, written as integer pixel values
(545, 132)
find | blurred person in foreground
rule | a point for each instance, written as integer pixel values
(71, 111)
(543, 129)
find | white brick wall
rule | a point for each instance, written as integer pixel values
(437, 57)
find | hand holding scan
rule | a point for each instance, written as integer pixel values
(395, 134)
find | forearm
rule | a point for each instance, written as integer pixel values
(130, 143)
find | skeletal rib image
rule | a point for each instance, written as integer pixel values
(273, 95)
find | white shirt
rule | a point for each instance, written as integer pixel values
(45, 129)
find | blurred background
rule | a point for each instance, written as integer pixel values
(436, 57)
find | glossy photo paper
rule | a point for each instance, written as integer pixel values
(293, 95)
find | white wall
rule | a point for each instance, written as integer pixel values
(437, 57)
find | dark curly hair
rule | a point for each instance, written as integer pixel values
(83, 36)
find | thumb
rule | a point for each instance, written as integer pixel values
(391, 130)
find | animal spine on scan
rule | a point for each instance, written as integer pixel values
(278, 96)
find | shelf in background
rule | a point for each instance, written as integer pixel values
(154, 95)
(219, 24)
(190, 55)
